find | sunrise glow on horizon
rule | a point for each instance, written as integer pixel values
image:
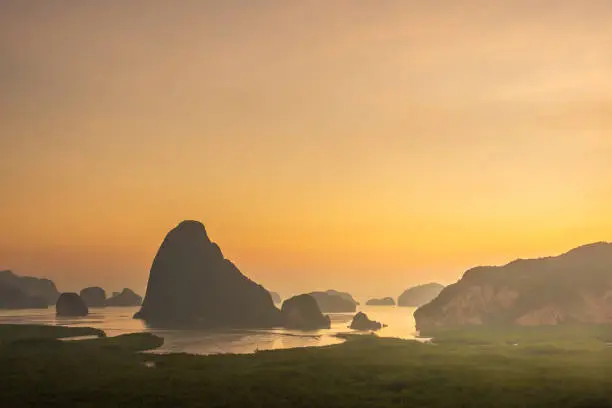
(360, 146)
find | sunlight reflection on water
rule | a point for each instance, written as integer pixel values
(116, 321)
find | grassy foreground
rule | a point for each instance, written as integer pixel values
(467, 368)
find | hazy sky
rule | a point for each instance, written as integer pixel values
(360, 145)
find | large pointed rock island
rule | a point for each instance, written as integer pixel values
(192, 284)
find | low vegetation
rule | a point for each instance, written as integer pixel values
(564, 336)
(460, 368)
(12, 332)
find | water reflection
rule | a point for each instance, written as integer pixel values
(399, 320)
(236, 341)
(116, 321)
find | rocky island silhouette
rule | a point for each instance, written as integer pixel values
(192, 284)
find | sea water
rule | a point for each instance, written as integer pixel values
(118, 320)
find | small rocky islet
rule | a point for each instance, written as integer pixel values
(302, 312)
(362, 322)
(126, 298)
(28, 292)
(387, 301)
(94, 296)
(70, 304)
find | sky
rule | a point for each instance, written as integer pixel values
(358, 145)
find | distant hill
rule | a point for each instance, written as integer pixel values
(419, 295)
(14, 298)
(333, 302)
(344, 295)
(575, 287)
(303, 313)
(30, 286)
(127, 297)
(388, 301)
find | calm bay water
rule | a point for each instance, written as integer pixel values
(116, 321)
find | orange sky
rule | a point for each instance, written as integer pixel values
(364, 146)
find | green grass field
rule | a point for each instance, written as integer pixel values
(545, 367)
